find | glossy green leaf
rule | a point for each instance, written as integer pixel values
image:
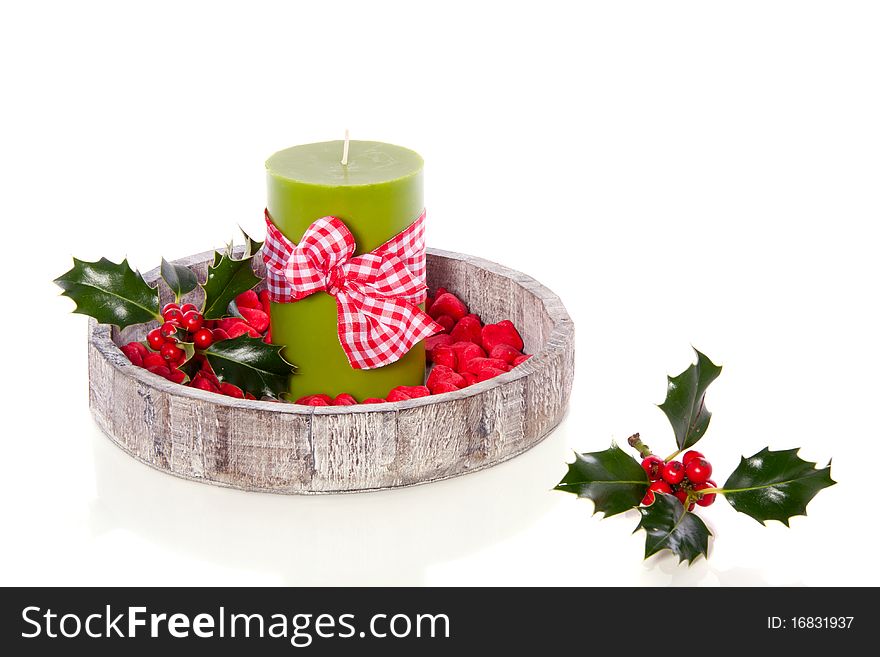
(251, 364)
(111, 293)
(775, 485)
(668, 526)
(227, 278)
(179, 278)
(251, 246)
(189, 349)
(685, 401)
(612, 479)
(190, 367)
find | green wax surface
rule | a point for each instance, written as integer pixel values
(377, 195)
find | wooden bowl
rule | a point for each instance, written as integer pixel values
(294, 449)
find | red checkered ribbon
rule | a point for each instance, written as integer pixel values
(376, 293)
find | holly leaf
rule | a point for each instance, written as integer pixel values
(251, 246)
(668, 526)
(251, 364)
(775, 485)
(227, 278)
(612, 479)
(189, 349)
(111, 293)
(685, 401)
(179, 278)
(190, 367)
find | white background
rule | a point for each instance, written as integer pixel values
(679, 173)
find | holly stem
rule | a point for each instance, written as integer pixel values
(636, 443)
(673, 455)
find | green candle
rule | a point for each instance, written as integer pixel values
(377, 193)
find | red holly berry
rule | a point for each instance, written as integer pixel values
(155, 339)
(171, 352)
(709, 498)
(698, 470)
(681, 494)
(203, 338)
(692, 454)
(174, 316)
(185, 308)
(169, 306)
(193, 320)
(168, 330)
(673, 472)
(161, 370)
(659, 486)
(652, 465)
(344, 399)
(373, 400)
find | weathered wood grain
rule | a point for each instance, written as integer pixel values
(286, 448)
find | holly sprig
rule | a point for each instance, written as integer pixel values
(228, 277)
(770, 485)
(116, 294)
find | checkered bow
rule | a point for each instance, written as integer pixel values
(376, 293)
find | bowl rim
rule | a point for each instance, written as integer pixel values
(101, 337)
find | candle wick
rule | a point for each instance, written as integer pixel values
(345, 150)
